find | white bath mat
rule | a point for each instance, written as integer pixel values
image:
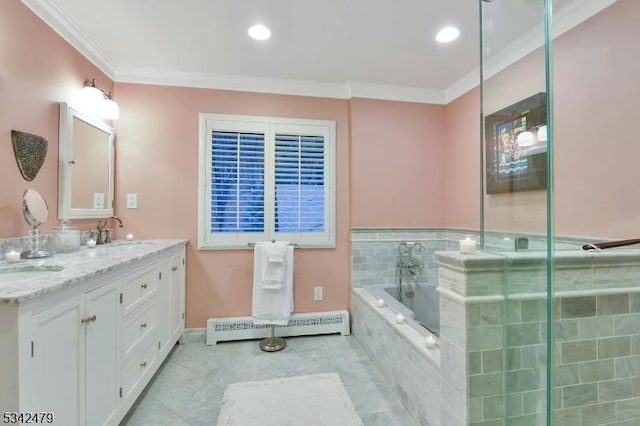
(316, 400)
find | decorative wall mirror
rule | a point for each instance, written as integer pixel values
(85, 170)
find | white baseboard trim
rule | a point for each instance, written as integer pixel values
(194, 335)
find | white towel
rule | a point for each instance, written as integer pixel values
(272, 306)
(273, 263)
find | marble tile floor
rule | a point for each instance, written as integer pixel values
(188, 388)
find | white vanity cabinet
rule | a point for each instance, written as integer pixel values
(176, 297)
(73, 365)
(86, 351)
(102, 362)
(140, 337)
(57, 353)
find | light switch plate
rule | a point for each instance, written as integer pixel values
(132, 201)
(317, 293)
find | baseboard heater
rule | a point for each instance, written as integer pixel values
(303, 324)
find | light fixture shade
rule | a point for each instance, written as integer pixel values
(109, 109)
(91, 97)
(542, 133)
(525, 139)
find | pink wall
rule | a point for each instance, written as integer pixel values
(397, 172)
(596, 150)
(462, 161)
(38, 69)
(157, 158)
(518, 211)
(596, 88)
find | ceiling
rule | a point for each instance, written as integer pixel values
(335, 48)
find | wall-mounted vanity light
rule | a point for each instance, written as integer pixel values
(99, 101)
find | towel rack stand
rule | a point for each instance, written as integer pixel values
(272, 343)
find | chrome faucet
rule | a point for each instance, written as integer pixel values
(407, 264)
(411, 266)
(120, 224)
(100, 228)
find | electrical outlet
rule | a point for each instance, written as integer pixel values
(98, 200)
(132, 201)
(317, 293)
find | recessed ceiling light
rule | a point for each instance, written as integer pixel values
(259, 32)
(447, 34)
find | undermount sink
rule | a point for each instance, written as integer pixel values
(23, 271)
(132, 243)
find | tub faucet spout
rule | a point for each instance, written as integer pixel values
(120, 224)
(414, 270)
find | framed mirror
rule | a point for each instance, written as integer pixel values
(85, 169)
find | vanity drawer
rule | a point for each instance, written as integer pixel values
(140, 324)
(137, 369)
(137, 289)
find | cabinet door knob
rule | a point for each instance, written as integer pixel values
(89, 320)
(144, 285)
(143, 364)
(175, 268)
(143, 325)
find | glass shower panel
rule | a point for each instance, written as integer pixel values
(511, 387)
(597, 293)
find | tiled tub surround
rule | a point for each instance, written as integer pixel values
(399, 352)
(597, 327)
(374, 251)
(496, 332)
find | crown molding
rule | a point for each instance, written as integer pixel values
(396, 93)
(232, 82)
(49, 12)
(468, 82)
(569, 17)
(279, 86)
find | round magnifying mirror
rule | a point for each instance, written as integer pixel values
(36, 212)
(34, 208)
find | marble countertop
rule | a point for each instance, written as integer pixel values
(40, 277)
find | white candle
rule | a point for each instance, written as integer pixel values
(129, 237)
(430, 342)
(12, 256)
(399, 318)
(468, 246)
(91, 243)
(380, 303)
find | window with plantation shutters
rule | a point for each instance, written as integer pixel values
(299, 173)
(265, 178)
(237, 182)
